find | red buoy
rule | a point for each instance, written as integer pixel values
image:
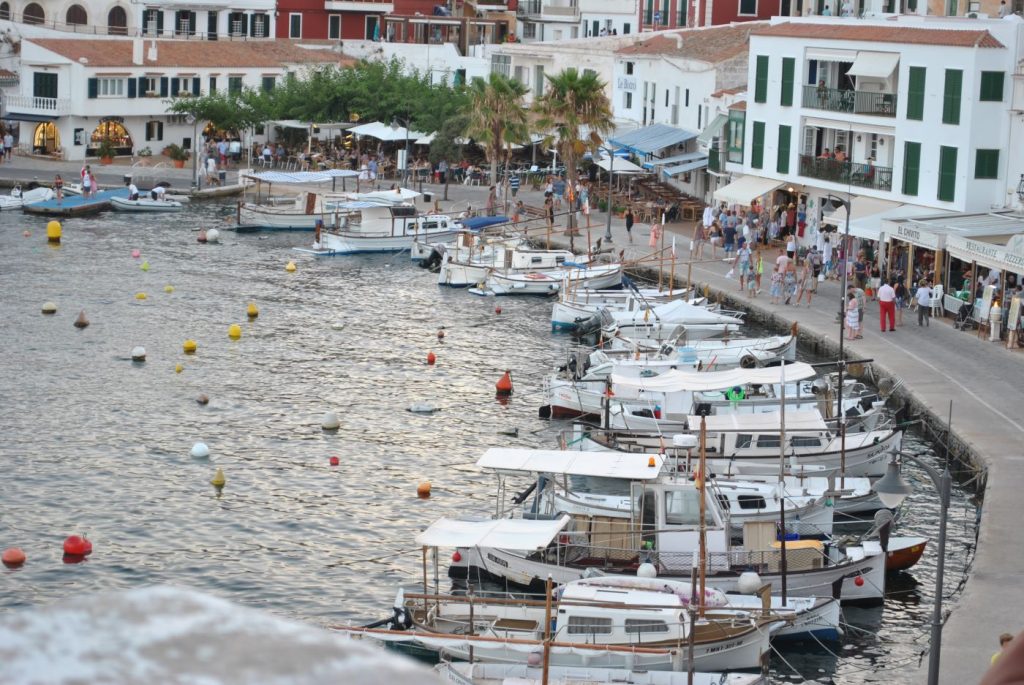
(431, 358)
(456, 557)
(497, 310)
(13, 557)
(859, 581)
(504, 384)
(77, 546)
(335, 461)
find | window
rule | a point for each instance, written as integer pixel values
(154, 130)
(234, 85)
(625, 29)
(666, 97)
(538, 80)
(152, 85)
(757, 149)
(761, 79)
(986, 164)
(743, 440)
(788, 69)
(110, 87)
(213, 85)
(637, 625)
(117, 21)
(33, 14)
(185, 23)
(911, 167)
(5, 10)
(771, 440)
(529, 29)
(501, 64)
(782, 161)
(992, 86)
(520, 74)
(748, 502)
(259, 25)
(736, 131)
(629, 68)
(334, 26)
(947, 173)
(76, 15)
(951, 96)
(804, 441)
(748, 7)
(181, 86)
(915, 93)
(295, 25)
(628, 103)
(589, 625)
(682, 508)
(267, 84)
(237, 23)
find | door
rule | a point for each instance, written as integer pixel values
(211, 25)
(372, 28)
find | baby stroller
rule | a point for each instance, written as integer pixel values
(964, 317)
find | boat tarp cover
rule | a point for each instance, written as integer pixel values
(302, 176)
(764, 422)
(675, 312)
(475, 223)
(514, 534)
(574, 463)
(701, 381)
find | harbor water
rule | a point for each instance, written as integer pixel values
(94, 443)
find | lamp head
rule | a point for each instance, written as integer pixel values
(891, 488)
(836, 202)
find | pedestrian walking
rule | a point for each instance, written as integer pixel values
(924, 303)
(655, 235)
(8, 145)
(549, 211)
(852, 316)
(742, 262)
(492, 197)
(513, 184)
(584, 196)
(789, 281)
(629, 223)
(758, 270)
(697, 246)
(805, 282)
(775, 289)
(86, 181)
(887, 306)
(901, 300)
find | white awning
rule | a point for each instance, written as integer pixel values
(713, 129)
(574, 463)
(621, 166)
(763, 422)
(382, 131)
(874, 64)
(676, 380)
(743, 190)
(515, 534)
(861, 207)
(682, 168)
(831, 55)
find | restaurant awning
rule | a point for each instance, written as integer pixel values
(621, 166)
(674, 159)
(382, 131)
(713, 129)
(743, 190)
(38, 118)
(860, 209)
(629, 466)
(874, 64)
(515, 534)
(650, 139)
(687, 166)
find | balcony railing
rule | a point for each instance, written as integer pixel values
(29, 104)
(852, 101)
(859, 174)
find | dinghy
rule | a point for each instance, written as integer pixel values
(145, 204)
(19, 198)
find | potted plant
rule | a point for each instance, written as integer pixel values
(177, 154)
(106, 151)
(145, 152)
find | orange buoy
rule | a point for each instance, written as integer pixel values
(12, 557)
(77, 546)
(334, 461)
(431, 358)
(423, 489)
(504, 384)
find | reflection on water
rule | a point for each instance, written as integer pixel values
(97, 444)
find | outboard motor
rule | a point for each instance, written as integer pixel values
(432, 261)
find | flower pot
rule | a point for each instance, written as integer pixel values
(106, 160)
(179, 164)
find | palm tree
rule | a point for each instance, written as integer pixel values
(496, 117)
(572, 103)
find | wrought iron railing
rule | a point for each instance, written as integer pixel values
(860, 174)
(851, 101)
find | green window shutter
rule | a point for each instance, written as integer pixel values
(788, 68)
(951, 96)
(915, 93)
(761, 79)
(94, 87)
(757, 149)
(947, 173)
(163, 86)
(992, 86)
(911, 167)
(142, 86)
(132, 83)
(782, 164)
(986, 164)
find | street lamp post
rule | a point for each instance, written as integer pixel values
(195, 149)
(836, 203)
(892, 490)
(405, 166)
(608, 219)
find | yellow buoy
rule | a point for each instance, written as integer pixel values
(218, 479)
(140, 296)
(145, 266)
(252, 311)
(168, 289)
(53, 231)
(290, 267)
(49, 308)
(234, 331)
(189, 346)
(178, 368)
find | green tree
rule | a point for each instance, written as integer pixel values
(576, 112)
(496, 117)
(227, 111)
(447, 144)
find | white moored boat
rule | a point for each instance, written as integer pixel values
(466, 673)
(468, 262)
(18, 198)
(145, 204)
(550, 282)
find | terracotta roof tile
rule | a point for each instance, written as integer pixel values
(7, 73)
(728, 91)
(842, 30)
(741, 105)
(190, 53)
(712, 44)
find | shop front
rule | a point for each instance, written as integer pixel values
(991, 269)
(112, 130)
(915, 249)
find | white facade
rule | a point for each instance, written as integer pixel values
(619, 16)
(867, 115)
(442, 61)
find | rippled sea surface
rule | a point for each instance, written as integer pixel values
(94, 443)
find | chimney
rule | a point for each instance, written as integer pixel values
(679, 40)
(137, 52)
(151, 55)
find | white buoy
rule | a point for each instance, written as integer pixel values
(330, 422)
(422, 408)
(749, 583)
(199, 451)
(139, 354)
(647, 570)
(213, 236)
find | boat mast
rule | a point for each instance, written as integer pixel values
(703, 410)
(547, 631)
(782, 481)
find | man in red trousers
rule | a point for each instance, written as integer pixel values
(887, 306)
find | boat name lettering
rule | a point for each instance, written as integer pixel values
(496, 560)
(722, 648)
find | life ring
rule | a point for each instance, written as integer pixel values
(747, 361)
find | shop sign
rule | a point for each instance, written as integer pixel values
(908, 234)
(989, 254)
(626, 83)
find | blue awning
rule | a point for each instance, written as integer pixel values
(650, 139)
(675, 159)
(682, 168)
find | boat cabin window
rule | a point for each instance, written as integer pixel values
(559, 259)
(768, 441)
(536, 260)
(744, 440)
(589, 625)
(403, 210)
(751, 502)
(428, 225)
(682, 508)
(636, 625)
(805, 441)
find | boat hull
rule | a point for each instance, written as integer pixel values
(352, 242)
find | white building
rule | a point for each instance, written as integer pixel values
(547, 20)
(926, 112)
(73, 93)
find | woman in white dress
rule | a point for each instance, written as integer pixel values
(852, 319)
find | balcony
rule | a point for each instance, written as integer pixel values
(555, 10)
(850, 101)
(857, 174)
(29, 104)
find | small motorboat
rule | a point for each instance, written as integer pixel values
(19, 198)
(145, 204)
